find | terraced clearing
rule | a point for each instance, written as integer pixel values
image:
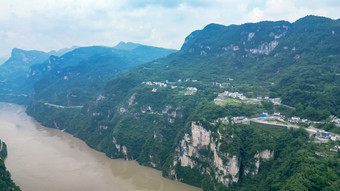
(222, 101)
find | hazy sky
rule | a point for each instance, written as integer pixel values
(54, 24)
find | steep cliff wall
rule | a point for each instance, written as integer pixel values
(199, 147)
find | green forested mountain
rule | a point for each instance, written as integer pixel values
(80, 75)
(25, 68)
(15, 84)
(13, 73)
(162, 113)
(6, 183)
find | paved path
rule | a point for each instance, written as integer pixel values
(63, 107)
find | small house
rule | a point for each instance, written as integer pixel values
(277, 114)
(322, 134)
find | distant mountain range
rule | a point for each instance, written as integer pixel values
(24, 68)
(13, 73)
(78, 76)
(62, 51)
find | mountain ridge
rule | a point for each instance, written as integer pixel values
(175, 113)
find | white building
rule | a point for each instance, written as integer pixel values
(193, 89)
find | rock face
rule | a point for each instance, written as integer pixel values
(250, 40)
(264, 155)
(200, 136)
(132, 100)
(188, 152)
(223, 166)
(265, 48)
(120, 148)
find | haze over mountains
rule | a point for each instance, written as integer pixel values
(62, 51)
(3, 60)
(19, 73)
(159, 107)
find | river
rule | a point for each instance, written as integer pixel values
(41, 159)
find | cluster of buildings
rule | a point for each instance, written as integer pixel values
(240, 119)
(221, 85)
(295, 119)
(274, 116)
(276, 101)
(234, 95)
(237, 95)
(160, 84)
(245, 120)
(323, 136)
(186, 80)
(189, 90)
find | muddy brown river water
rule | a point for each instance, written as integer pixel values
(42, 159)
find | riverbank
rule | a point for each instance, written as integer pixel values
(6, 182)
(55, 160)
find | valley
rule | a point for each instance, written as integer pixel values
(217, 114)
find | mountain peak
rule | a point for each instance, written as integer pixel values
(126, 45)
(310, 19)
(213, 26)
(16, 51)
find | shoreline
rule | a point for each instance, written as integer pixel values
(132, 163)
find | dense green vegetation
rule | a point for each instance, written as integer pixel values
(6, 183)
(298, 62)
(80, 75)
(329, 126)
(295, 167)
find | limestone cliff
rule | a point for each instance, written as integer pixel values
(122, 150)
(222, 166)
